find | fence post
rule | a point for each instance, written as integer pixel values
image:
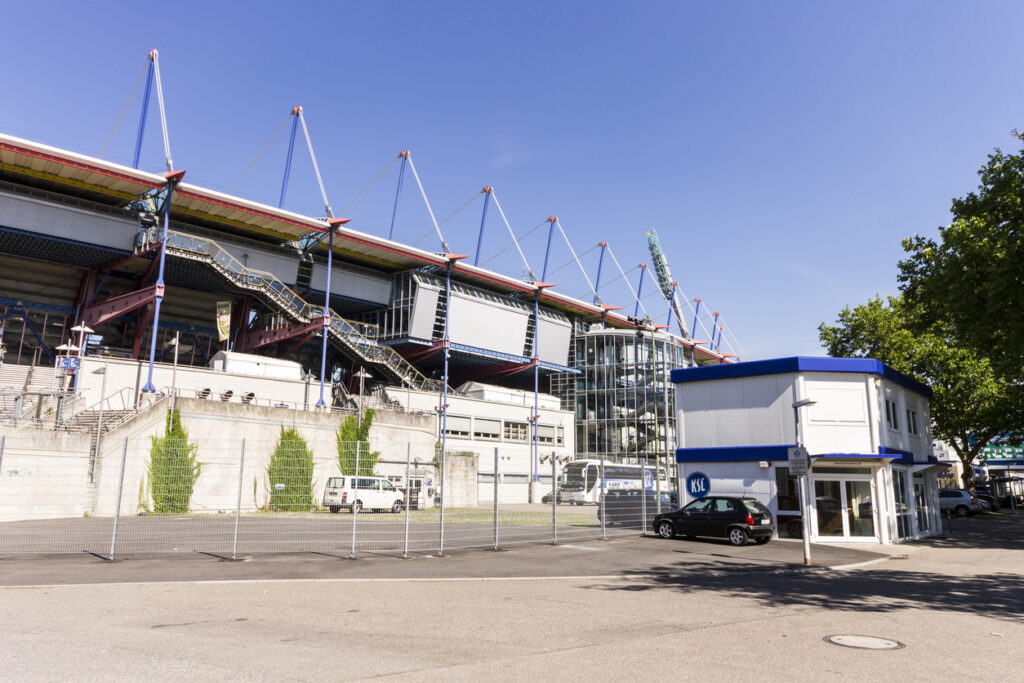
(408, 480)
(117, 509)
(643, 498)
(554, 501)
(444, 494)
(495, 497)
(3, 441)
(238, 503)
(355, 497)
(604, 531)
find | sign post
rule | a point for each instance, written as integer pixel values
(798, 461)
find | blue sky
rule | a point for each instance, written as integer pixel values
(781, 151)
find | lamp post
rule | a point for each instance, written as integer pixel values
(176, 343)
(805, 526)
(82, 330)
(362, 375)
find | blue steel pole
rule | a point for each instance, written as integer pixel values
(536, 385)
(159, 295)
(714, 331)
(547, 252)
(600, 262)
(327, 317)
(696, 313)
(483, 221)
(444, 397)
(288, 160)
(145, 109)
(398, 192)
(639, 290)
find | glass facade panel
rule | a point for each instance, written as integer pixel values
(620, 399)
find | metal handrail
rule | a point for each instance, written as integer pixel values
(360, 337)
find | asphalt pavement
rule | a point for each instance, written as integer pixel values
(633, 607)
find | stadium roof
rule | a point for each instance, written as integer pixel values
(96, 176)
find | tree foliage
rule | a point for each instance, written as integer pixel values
(352, 436)
(959, 320)
(290, 473)
(972, 278)
(173, 469)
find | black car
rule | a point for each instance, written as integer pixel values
(627, 507)
(732, 517)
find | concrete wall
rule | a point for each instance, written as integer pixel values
(45, 474)
(514, 457)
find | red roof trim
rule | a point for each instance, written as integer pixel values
(246, 209)
(77, 164)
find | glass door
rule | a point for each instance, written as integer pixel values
(921, 500)
(843, 508)
(857, 505)
(828, 504)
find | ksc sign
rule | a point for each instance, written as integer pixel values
(698, 485)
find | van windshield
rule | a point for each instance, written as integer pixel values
(336, 483)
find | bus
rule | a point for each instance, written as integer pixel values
(580, 481)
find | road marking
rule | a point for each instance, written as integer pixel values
(579, 547)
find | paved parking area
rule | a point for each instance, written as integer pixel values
(637, 607)
(628, 555)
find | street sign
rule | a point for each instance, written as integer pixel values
(698, 485)
(68, 363)
(798, 460)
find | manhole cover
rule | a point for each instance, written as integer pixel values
(864, 642)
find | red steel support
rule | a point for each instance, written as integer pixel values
(249, 339)
(105, 311)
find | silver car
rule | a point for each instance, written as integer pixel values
(959, 501)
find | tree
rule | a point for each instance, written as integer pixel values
(972, 278)
(352, 436)
(290, 473)
(172, 469)
(970, 400)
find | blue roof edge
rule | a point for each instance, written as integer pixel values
(781, 452)
(778, 366)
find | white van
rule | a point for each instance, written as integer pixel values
(357, 493)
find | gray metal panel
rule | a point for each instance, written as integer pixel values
(554, 341)
(45, 218)
(424, 311)
(487, 325)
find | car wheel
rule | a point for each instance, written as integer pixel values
(962, 511)
(397, 507)
(335, 509)
(666, 530)
(357, 506)
(737, 536)
(762, 540)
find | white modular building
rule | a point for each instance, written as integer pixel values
(866, 427)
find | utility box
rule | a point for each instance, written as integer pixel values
(255, 366)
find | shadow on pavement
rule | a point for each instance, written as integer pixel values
(993, 594)
(996, 595)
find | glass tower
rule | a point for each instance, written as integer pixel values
(625, 409)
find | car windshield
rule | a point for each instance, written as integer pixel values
(754, 506)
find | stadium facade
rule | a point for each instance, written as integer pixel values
(81, 244)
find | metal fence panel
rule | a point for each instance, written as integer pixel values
(232, 498)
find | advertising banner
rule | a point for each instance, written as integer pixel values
(223, 320)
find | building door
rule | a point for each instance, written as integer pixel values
(843, 508)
